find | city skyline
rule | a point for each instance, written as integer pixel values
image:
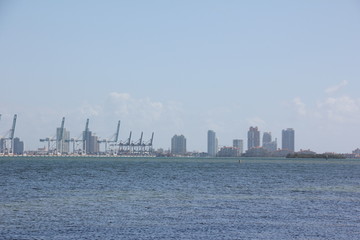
(90, 143)
(183, 67)
(93, 141)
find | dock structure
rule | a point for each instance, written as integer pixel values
(139, 147)
(88, 143)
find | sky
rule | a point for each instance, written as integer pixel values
(183, 67)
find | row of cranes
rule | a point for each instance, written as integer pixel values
(88, 144)
(8, 139)
(139, 147)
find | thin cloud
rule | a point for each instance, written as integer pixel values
(91, 110)
(333, 89)
(143, 109)
(256, 121)
(340, 109)
(125, 105)
(300, 106)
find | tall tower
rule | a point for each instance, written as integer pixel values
(288, 139)
(18, 146)
(266, 138)
(2, 145)
(62, 140)
(253, 138)
(91, 142)
(211, 143)
(66, 142)
(178, 144)
(238, 144)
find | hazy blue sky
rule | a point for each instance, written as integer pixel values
(183, 67)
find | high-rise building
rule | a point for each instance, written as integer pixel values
(212, 146)
(238, 144)
(94, 145)
(266, 138)
(2, 145)
(91, 143)
(253, 138)
(18, 146)
(288, 139)
(66, 144)
(178, 144)
(267, 142)
(270, 146)
(62, 141)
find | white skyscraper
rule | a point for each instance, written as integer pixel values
(211, 143)
(239, 145)
(62, 141)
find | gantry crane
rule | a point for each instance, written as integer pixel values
(10, 136)
(138, 147)
(12, 133)
(125, 146)
(113, 139)
(146, 147)
(81, 139)
(58, 140)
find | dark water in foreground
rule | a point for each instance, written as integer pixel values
(128, 198)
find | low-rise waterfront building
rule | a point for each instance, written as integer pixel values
(228, 152)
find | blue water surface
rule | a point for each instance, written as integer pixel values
(178, 198)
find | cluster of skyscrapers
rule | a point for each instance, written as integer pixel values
(254, 147)
(213, 147)
(269, 146)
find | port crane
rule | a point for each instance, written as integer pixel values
(113, 139)
(76, 141)
(124, 146)
(150, 142)
(12, 133)
(147, 146)
(9, 136)
(139, 147)
(58, 140)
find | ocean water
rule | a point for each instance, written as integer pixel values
(178, 198)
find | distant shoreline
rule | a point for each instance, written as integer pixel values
(290, 156)
(317, 156)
